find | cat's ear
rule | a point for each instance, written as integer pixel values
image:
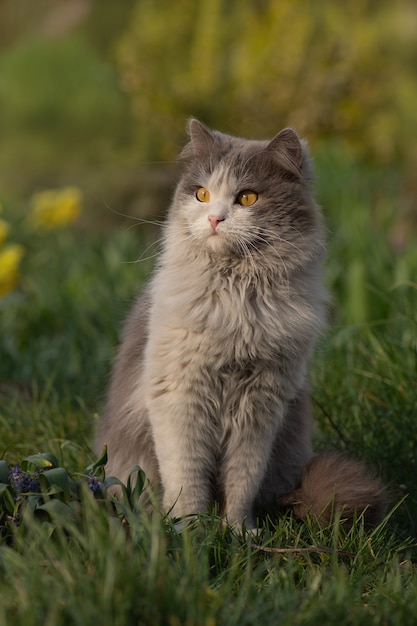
(288, 149)
(202, 139)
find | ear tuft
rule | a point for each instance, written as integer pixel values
(288, 149)
(201, 139)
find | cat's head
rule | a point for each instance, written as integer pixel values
(240, 197)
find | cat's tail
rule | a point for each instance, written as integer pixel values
(332, 483)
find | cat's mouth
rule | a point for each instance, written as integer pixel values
(222, 244)
(216, 239)
(215, 235)
(220, 240)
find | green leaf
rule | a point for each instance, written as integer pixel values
(56, 481)
(56, 511)
(136, 489)
(99, 464)
(7, 501)
(4, 471)
(40, 461)
(33, 500)
(112, 481)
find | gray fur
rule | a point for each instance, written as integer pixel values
(209, 393)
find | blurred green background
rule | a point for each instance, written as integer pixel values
(96, 93)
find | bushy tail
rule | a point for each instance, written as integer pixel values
(331, 483)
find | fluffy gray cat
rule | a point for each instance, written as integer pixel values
(209, 393)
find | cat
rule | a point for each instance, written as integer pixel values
(209, 393)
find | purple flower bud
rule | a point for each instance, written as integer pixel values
(22, 481)
(94, 484)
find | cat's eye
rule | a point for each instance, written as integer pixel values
(247, 198)
(202, 194)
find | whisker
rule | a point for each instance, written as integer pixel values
(274, 237)
(250, 242)
(138, 220)
(143, 258)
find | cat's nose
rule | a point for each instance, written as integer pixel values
(214, 220)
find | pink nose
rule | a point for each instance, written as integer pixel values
(214, 220)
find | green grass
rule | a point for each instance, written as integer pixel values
(121, 567)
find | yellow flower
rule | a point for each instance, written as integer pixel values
(4, 230)
(55, 208)
(10, 258)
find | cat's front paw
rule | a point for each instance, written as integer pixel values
(240, 522)
(253, 533)
(184, 505)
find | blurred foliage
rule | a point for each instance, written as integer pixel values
(54, 99)
(65, 121)
(10, 258)
(95, 94)
(372, 255)
(67, 293)
(51, 209)
(57, 97)
(54, 208)
(328, 69)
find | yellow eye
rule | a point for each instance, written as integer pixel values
(203, 194)
(247, 198)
